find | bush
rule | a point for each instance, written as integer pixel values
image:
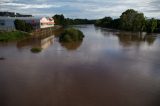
(71, 35)
(23, 26)
(36, 50)
(132, 20)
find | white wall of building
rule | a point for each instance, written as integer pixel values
(46, 22)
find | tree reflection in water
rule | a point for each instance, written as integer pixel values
(128, 38)
(72, 45)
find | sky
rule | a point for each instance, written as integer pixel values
(91, 9)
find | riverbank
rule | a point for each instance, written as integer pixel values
(19, 35)
(13, 36)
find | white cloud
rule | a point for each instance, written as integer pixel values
(83, 8)
(28, 6)
(5, 1)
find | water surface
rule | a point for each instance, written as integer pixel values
(108, 68)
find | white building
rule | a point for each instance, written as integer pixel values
(7, 23)
(46, 22)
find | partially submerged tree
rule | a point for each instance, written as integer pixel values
(131, 20)
(71, 35)
(151, 25)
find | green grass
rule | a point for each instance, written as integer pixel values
(36, 50)
(71, 35)
(12, 36)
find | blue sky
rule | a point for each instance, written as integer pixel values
(91, 9)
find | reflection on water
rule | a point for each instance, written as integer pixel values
(37, 43)
(58, 32)
(72, 45)
(127, 39)
(109, 68)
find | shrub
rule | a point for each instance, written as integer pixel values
(23, 26)
(36, 50)
(71, 35)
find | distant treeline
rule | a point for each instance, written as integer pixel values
(131, 20)
(61, 20)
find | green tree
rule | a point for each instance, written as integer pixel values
(59, 19)
(23, 26)
(20, 25)
(104, 22)
(71, 35)
(131, 20)
(115, 23)
(151, 25)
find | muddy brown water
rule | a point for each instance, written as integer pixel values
(108, 68)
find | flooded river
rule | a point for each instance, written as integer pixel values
(108, 68)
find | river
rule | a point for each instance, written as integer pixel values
(108, 68)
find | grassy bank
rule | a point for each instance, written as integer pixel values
(12, 36)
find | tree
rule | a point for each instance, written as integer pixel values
(115, 23)
(20, 24)
(71, 35)
(23, 26)
(28, 27)
(59, 19)
(151, 25)
(104, 22)
(131, 20)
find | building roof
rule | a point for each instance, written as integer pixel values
(20, 18)
(13, 14)
(46, 19)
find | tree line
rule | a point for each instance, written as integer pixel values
(61, 20)
(131, 20)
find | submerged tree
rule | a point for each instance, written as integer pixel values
(131, 20)
(151, 25)
(71, 35)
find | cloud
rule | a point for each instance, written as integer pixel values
(82, 8)
(28, 6)
(5, 1)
